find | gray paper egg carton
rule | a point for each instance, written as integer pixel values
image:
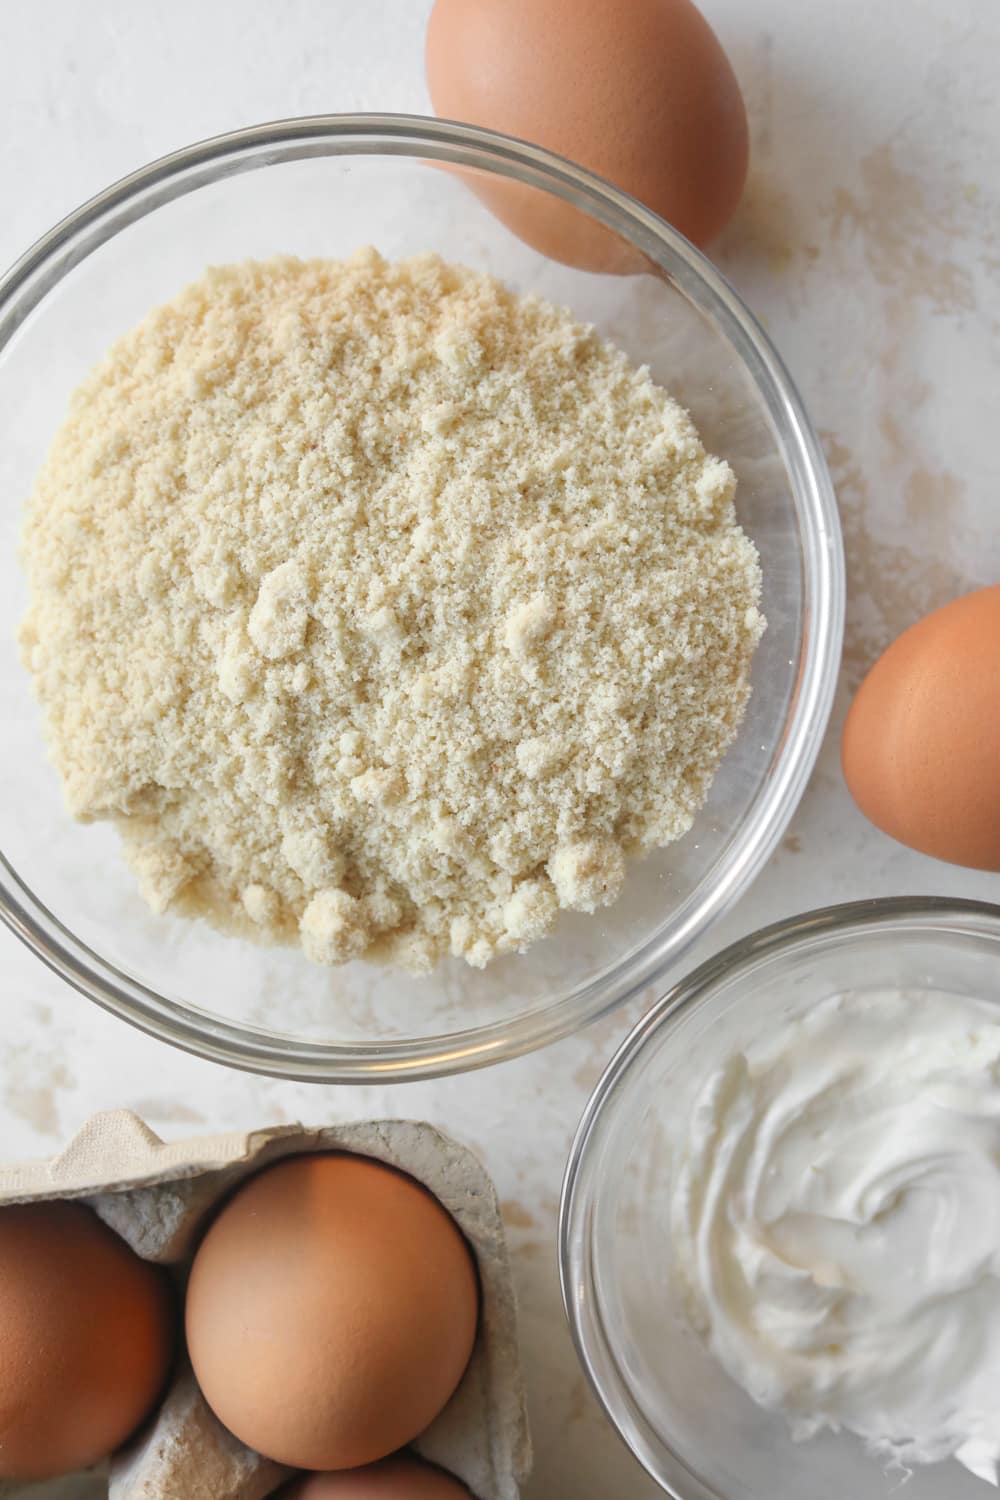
(158, 1196)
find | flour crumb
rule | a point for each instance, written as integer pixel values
(529, 624)
(278, 620)
(261, 905)
(384, 610)
(334, 928)
(162, 872)
(530, 911)
(588, 874)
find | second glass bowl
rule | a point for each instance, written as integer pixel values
(323, 187)
(695, 1431)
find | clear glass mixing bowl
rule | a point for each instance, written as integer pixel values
(695, 1431)
(325, 186)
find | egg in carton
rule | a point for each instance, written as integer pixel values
(159, 1196)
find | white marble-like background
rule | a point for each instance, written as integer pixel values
(868, 243)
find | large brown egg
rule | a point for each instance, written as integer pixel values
(86, 1336)
(399, 1478)
(921, 746)
(331, 1311)
(640, 93)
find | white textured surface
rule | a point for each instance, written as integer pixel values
(868, 244)
(835, 1186)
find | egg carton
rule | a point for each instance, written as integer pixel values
(159, 1196)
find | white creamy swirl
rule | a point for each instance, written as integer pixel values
(836, 1223)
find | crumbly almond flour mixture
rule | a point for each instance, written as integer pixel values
(382, 609)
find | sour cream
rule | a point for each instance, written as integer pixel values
(836, 1223)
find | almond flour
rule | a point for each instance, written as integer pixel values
(382, 609)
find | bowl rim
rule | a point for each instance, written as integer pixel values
(823, 925)
(252, 1049)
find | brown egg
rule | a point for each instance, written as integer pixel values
(399, 1478)
(642, 94)
(921, 747)
(86, 1337)
(331, 1311)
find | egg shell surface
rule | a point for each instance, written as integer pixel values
(641, 94)
(921, 746)
(331, 1311)
(87, 1332)
(398, 1478)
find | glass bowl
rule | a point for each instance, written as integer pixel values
(693, 1429)
(325, 186)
